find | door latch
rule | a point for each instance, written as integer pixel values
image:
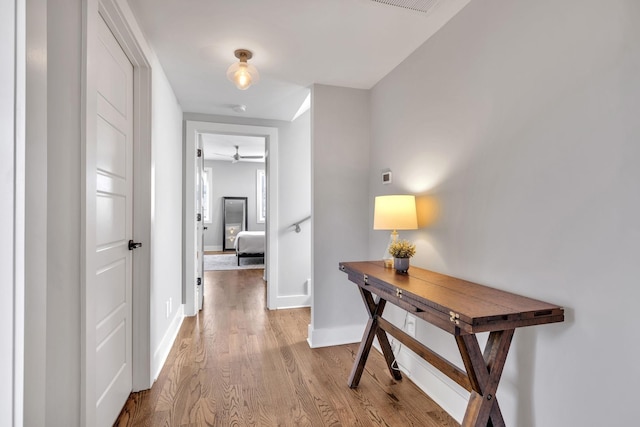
(133, 245)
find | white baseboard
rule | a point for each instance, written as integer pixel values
(162, 352)
(442, 390)
(293, 301)
(335, 336)
(216, 248)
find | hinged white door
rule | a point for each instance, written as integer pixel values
(114, 218)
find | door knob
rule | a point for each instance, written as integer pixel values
(133, 245)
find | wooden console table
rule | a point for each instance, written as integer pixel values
(459, 307)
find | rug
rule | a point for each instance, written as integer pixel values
(230, 262)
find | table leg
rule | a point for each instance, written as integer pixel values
(383, 340)
(374, 310)
(484, 372)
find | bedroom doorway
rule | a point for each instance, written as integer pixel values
(240, 157)
(234, 201)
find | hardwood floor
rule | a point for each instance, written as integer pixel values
(238, 364)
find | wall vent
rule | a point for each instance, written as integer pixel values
(423, 6)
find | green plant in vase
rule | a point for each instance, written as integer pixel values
(402, 251)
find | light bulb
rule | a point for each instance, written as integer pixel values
(242, 77)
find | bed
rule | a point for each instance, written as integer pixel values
(249, 244)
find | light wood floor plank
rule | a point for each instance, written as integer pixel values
(238, 364)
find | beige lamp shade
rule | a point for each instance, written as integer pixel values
(395, 212)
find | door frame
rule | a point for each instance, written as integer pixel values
(193, 130)
(12, 211)
(118, 22)
(199, 238)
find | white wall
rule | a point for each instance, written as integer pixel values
(521, 119)
(166, 231)
(231, 180)
(295, 205)
(62, 237)
(340, 129)
(35, 205)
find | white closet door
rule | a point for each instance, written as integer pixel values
(114, 217)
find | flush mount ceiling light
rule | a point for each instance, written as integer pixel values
(239, 108)
(241, 73)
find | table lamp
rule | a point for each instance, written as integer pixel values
(395, 212)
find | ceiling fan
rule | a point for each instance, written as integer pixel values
(237, 157)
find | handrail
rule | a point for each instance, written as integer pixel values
(296, 225)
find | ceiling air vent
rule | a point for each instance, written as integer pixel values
(423, 6)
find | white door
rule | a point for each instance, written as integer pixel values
(199, 224)
(114, 218)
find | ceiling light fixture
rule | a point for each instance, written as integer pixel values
(239, 108)
(241, 73)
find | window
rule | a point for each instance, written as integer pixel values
(261, 196)
(207, 184)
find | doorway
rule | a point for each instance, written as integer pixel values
(193, 130)
(234, 167)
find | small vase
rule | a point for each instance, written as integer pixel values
(401, 264)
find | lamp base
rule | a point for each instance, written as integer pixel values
(387, 258)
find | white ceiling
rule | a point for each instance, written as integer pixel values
(295, 43)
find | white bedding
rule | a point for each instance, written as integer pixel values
(249, 242)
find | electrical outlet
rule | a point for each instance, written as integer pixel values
(411, 325)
